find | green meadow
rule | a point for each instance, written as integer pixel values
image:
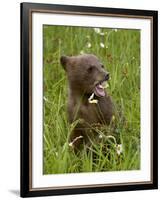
(119, 51)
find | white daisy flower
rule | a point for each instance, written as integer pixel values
(89, 45)
(100, 136)
(97, 30)
(56, 154)
(119, 149)
(102, 33)
(70, 144)
(81, 52)
(102, 45)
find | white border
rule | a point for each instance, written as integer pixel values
(144, 174)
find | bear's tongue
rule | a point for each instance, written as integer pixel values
(99, 90)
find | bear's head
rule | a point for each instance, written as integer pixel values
(86, 74)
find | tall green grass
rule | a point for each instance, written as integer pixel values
(119, 50)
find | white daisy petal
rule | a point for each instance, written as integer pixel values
(81, 52)
(119, 149)
(70, 144)
(102, 45)
(97, 30)
(102, 34)
(89, 45)
(100, 136)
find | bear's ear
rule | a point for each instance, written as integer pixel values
(63, 61)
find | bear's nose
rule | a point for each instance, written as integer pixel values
(107, 76)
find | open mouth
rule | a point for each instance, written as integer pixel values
(99, 88)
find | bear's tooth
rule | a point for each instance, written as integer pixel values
(91, 97)
(93, 101)
(100, 86)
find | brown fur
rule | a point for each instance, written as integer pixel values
(84, 72)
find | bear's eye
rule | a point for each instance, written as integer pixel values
(102, 66)
(90, 68)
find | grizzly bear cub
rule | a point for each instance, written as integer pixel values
(88, 103)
